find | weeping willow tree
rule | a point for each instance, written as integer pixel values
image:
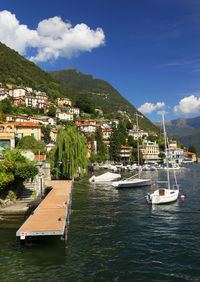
(71, 153)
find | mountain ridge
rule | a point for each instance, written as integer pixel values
(102, 93)
(186, 130)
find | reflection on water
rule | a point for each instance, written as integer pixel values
(114, 236)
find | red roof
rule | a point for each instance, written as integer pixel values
(25, 124)
(40, 158)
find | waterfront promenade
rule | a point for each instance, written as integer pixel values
(52, 215)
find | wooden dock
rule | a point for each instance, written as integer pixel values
(51, 217)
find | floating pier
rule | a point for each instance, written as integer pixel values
(51, 217)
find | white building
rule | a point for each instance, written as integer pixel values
(34, 102)
(88, 128)
(3, 95)
(137, 133)
(15, 93)
(150, 151)
(106, 133)
(74, 111)
(64, 116)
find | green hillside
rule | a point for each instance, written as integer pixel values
(191, 139)
(102, 93)
(17, 70)
(20, 72)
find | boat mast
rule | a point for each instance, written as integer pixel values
(138, 150)
(167, 161)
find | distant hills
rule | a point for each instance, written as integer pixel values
(18, 71)
(102, 93)
(187, 131)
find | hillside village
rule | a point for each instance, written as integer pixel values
(19, 126)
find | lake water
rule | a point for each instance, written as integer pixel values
(114, 236)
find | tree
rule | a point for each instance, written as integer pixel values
(30, 143)
(99, 139)
(152, 138)
(52, 111)
(71, 153)
(14, 170)
(86, 104)
(46, 133)
(132, 142)
(115, 146)
(6, 106)
(192, 149)
(134, 156)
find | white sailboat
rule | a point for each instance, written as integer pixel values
(169, 194)
(133, 182)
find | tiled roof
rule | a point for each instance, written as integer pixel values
(40, 157)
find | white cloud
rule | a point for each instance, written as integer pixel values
(53, 37)
(188, 105)
(148, 108)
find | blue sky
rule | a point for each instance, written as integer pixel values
(148, 50)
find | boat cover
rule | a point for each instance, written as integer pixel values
(108, 176)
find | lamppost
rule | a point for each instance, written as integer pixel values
(41, 174)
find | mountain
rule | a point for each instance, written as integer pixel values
(102, 93)
(16, 70)
(187, 131)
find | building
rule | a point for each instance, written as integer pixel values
(125, 153)
(99, 111)
(7, 135)
(174, 153)
(63, 101)
(53, 134)
(35, 102)
(88, 128)
(52, 120)
(74, 111)
(64, 116)
(150, 151)
(113, 122)
(41, 96)
(23, 129)
(190, 157)
(16, 118)
(15, 93)
(137, 133)
(152, 133)
(4, 93)
(39, 120)
(18, 101)
(50, 146)
(106, 133)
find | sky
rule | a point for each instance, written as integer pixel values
(149, 50)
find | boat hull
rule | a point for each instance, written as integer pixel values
(132, 183)
(163, 196)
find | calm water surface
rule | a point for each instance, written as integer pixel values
(114, 236)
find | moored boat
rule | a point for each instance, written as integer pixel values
(169, 194)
